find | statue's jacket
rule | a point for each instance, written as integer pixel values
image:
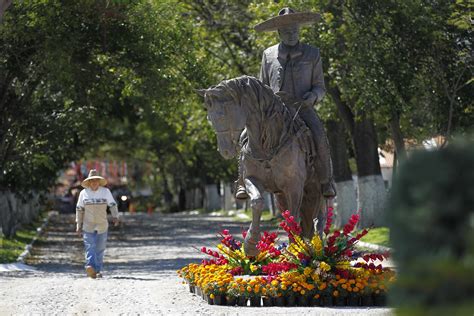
(307, 72)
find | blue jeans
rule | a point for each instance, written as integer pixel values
(94, 244)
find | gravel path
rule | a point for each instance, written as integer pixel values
(139, 274)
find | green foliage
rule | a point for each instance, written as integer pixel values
(116, 79)
(11, 248)
(431, 225)
(378, 236)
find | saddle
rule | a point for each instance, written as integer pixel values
(294, 106)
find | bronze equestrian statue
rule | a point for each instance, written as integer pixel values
(284, 148)
(293, 70)
(278, 154)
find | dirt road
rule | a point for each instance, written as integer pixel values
(139, 274)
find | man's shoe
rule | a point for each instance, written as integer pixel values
(328, 189)
(98, 275)
(91, 272)
(241, 194)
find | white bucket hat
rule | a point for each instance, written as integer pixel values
(93, 175)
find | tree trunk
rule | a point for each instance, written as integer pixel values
(346, 190)
(370, 184)
(397, 136)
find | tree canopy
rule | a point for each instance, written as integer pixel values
(117, 78)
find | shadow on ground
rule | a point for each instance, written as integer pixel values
(143, 244)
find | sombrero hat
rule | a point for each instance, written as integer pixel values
(287, 17)
(93, 175)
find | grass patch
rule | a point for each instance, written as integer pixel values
(11, 248)
(379, 236)
(239, 215)
(266, 216)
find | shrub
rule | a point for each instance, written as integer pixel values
(431, 214)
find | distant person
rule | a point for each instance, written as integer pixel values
(91, 220)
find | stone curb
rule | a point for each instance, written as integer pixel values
(39, 231)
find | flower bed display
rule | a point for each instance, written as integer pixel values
(317, 272)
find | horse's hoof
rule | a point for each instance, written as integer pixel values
(250, 246)
(250, 250)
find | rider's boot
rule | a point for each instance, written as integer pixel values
(328, 186)
(240, 192)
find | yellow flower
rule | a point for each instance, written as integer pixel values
(307, 271)
(324, 266)
(317, 244)
(253, 268)
(212, 296)
(343, 265)
(274, 282)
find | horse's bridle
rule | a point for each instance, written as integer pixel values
(232, 132)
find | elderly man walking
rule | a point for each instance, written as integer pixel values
(91, 220)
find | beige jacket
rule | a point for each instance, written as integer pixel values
(91, 210)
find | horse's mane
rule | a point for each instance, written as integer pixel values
(271, 118)
(252, 91)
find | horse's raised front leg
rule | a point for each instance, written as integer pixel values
(257, 204)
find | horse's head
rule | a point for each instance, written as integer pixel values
(226, 116)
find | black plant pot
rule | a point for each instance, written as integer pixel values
(326, 300)
(241, 301)
(267, 301)
(209, 300)
(302, 300)
(198, 291)
(191, 288)
(340, 301)
(231, 300)
(314, 301)
(279, 301)
(291, 300)
(380, 300)
(353, 300)
(255, 301)
(219, 300)
(366, 300)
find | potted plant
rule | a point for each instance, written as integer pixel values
(233, 291)
(326, 294)
(340, 292)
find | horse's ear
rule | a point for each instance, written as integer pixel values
(201, 92)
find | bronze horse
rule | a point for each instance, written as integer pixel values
(278, 151)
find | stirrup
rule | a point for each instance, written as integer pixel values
(241, 194)
(328, 190)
